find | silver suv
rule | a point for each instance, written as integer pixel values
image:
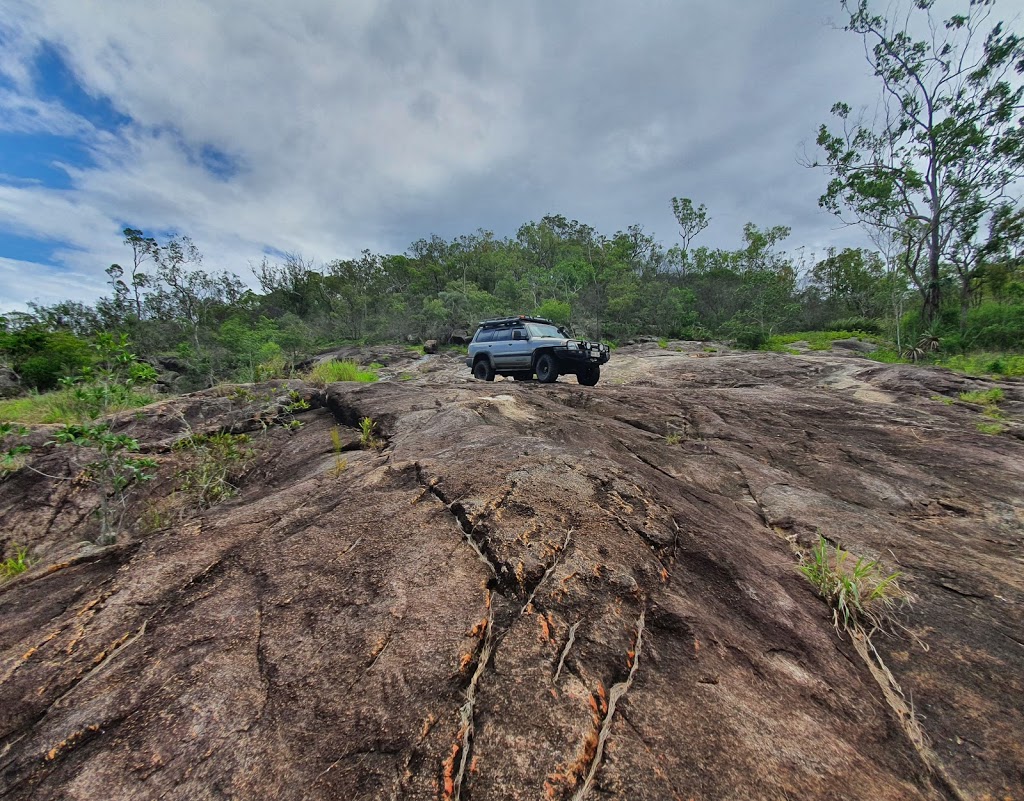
(521, 347)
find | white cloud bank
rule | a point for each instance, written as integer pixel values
(324, 128)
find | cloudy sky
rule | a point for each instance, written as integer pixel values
(323, 127)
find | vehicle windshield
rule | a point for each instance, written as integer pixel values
(542, 330)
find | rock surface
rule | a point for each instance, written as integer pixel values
(530, 591)
(10, 383)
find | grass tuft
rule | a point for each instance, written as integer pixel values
(988, 397)
(14, 565)
(60, 406)
(332, 370)
(860, 594)
(368, 434)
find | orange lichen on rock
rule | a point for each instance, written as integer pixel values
(449, 770)
(545, 628)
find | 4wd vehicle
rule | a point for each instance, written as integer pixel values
(521, 347)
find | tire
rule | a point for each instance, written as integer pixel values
(588, 376)
(482, 370)
(547, 369)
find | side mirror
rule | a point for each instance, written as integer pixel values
(518, 335)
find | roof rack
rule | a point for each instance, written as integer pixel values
(522, 318)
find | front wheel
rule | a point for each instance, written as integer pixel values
(547, 370)
(483, 370)
(589, 375)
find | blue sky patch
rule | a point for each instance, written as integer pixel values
(35, 158)
(218, 163)
(55, 81)
(25, 248)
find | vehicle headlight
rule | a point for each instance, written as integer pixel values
(571, 345)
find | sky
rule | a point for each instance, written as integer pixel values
(325, 127)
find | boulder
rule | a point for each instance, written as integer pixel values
(430, 346)
(10, 383)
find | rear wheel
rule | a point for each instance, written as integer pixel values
(589, 375)
(483, 370)
(547, 370)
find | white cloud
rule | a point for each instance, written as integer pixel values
(343, 126)
(22, 281)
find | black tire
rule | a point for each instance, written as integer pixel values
(547, 369)
(589, 376)
(482, 370)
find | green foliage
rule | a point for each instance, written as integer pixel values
(15, 565)
(861, 595)
(368, 434)
(947, 146)
(816, 340)
(111, 383)
(559, 312)
(1007, 365)
(332, 370)
(662, 343)
(988, 397)
(114, 470)
(886, 356)
(12, 456)
(990, 428)
(42, 357)
(750, 338)
(673, 438)
(943, 400)
(862, 325)
(215, 461)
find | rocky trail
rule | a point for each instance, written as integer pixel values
(530, 592)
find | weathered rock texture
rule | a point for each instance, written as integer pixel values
(531, 592)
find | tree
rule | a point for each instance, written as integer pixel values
(946, 145)
(691, 221)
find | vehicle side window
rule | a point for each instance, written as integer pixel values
(485, 335)
(502, 334)
(522, 334)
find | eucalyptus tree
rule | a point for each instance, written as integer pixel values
(946, 144)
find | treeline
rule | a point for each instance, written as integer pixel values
(211, 326)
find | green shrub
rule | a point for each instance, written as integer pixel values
(114, 470)
(215, 461)
(998, 364)
(817, 340)
(42, 358)
(332, 370)
(750, 338)
(865, 324)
